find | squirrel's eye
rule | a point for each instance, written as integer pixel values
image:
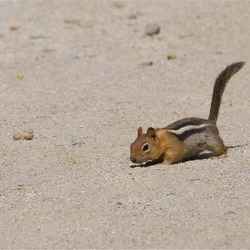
(145, 147)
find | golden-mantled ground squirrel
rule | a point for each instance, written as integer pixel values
(187, 138)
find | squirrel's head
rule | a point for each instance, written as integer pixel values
(144, 148)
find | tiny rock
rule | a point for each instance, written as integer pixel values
(171, 56)
(117, 4)
(24, 135)
(79, 161)
(14, 26)
(72, 21)
(146, 63)
(18, 76)
(152, 29)
(132, 17)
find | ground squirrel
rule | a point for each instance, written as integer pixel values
(186, 138)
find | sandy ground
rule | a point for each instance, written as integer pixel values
(83, 76)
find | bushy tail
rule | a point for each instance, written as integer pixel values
(219, 87)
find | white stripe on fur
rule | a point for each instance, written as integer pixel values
(187, 128)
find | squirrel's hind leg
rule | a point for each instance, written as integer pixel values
(216, 145)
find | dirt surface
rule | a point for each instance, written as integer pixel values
(83, 76)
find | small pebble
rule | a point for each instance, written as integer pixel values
(18, 76)
(72, 21)
(171, 56)
(14, 26)
(79, 161)
(24, 135)
(146, 63)
(132, 17)
(117, 4)
(218, 52)
(152, 29)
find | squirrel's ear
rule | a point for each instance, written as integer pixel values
(139, 132)
(151, 133)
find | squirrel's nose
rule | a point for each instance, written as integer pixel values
(132, 159)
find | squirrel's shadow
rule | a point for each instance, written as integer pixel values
(147, 164)
(202, 156)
